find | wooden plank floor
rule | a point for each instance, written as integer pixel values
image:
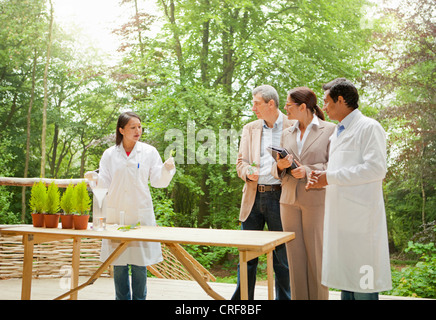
(158, 289)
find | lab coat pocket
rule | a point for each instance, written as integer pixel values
(355, 208)
(349, 157)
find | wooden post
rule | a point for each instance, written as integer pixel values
(26, 286)
(270, 276)
(243, 275)
(75, 262)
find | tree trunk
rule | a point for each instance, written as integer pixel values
(170, 14)
(205, 51)
(26, 164)
(44, 109)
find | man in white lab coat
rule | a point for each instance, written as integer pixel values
(355, 250)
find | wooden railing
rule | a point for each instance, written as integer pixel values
(28, 182)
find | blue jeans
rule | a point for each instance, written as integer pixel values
(348, 295)
(122, 282)
(266, 210)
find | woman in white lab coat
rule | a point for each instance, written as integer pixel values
(126, 169)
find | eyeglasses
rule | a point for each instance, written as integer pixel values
(289, 104)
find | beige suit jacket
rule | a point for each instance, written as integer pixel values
(249, 152)
(314, 156)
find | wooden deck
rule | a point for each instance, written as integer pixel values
(158, 289)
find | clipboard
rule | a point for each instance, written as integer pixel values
(282, 152)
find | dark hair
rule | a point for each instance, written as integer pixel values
(343, 87)
(123, 119)
(302, 95)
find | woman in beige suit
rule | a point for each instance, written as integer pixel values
(301, 210)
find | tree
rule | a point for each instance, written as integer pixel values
(206, 61)
(44, 110)
(405, 73)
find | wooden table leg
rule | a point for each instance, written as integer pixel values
(177, 250)
(270, 275)
(123, 245)
(26, 284)
(75, 262)
(243, 275)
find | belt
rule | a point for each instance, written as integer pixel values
(268, 187)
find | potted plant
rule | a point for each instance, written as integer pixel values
(37, 203)
(51, 218)
(67, 205)
(82, 204)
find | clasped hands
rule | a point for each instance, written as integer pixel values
(317, 179)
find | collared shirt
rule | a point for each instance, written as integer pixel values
(270, 137)
(300, 142)
(348, 119)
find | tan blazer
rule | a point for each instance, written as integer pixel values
(314, 156)
(249, 152)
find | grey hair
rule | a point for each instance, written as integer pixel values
(267, 93)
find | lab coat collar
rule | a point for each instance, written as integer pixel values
(136, 149)
(347, 134)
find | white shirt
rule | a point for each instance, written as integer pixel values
(348, 119)
(270, 137)
(300, 142)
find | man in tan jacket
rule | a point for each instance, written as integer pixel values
(261, 193)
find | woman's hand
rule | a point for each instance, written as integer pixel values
(284, 163)
(300, 172)
(169, 164)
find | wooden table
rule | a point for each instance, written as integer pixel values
(251, 244)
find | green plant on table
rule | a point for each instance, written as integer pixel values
(38, 198)
(67, 200)
(53, 199)
(81, 199)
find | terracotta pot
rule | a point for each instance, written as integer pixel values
(67, 221)
(81, 222)
(38, 219)
(51, 220)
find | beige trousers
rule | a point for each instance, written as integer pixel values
(305, 251)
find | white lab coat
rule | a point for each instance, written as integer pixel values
(127, 181)
(355, 250)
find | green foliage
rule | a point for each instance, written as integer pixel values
(67, 199)
(53, 199)
(81, 199)
(418, 280)
(38, 198)
(197, 73)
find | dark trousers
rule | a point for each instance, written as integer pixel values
(349, 295)
(266, 210)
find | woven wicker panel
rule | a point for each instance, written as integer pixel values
(51, 259)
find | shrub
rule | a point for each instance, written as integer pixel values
(53, 199)
(418, 280)
(38, 198)
(67, 199)
(82, 201)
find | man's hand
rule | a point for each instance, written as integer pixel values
(253, 173)
(317, 179)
